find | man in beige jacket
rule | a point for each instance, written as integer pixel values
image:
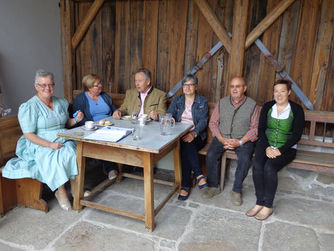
(144, 99)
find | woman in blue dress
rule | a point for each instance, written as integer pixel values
(40, 153)
(96, 105)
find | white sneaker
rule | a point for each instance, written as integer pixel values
(112, 175)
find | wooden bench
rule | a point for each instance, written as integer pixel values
(16, 192)
(318, 132)
(23, 192)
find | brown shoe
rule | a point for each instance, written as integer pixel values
(236, 198)
(264, 213)
(210, 192)
(254, 210)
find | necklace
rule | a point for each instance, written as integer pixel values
(94, 98)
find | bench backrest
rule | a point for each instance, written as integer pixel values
(319, 129)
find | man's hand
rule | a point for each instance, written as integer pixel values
(231, 144)
(117, 114)
(154, 115)
(190, 136)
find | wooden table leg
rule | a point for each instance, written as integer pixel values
(177, 165)
(80, 178)
(148, 191)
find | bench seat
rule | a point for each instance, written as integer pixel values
(16, 192)
(305, 159)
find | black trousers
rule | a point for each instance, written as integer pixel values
(190, 160)
(265, 174)
(213, 160)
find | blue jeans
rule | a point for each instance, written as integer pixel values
(265, 174)
(190, 160)
(213, 159)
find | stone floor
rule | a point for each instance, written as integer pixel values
(303, 220)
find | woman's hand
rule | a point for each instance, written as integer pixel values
(55, 145)
(80, 116)
(42, 142)
(272, 153)
(189, 137)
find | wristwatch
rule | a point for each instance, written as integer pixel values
(240, 142)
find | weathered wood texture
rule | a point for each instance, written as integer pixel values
(170, 36)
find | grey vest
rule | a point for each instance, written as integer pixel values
(234, 123)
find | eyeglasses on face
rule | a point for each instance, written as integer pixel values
(188, 85)
(47, 85)
(98, 84)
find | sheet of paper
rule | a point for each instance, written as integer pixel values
(109, 133)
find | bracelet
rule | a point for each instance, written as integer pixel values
(76, 120)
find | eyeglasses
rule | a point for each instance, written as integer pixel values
(97, 85)
(47, 85)
(188, 85)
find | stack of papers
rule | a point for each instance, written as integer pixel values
(110, 133)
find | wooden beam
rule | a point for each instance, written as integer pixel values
(238, 38)
(67, 58)
(267, 21)
(84, 25)
(215, 24)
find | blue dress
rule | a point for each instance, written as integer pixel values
(52, 167)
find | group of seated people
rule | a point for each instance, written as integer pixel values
(237, 123)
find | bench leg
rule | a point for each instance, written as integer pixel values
(7, 195)
(29, 194)
(223, 171)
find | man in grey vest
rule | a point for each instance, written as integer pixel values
(233, 124)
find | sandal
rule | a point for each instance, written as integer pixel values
(263, 216)
(63, 203)
(184, 197)
(254, 211)
(203, 185)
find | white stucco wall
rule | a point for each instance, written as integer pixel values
(30, 39)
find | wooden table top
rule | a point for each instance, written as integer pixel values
(151, 140)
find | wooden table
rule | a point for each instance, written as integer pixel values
(142, 153)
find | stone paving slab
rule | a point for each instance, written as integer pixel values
(134, 187)
(223, 200)
(30, 227)
(4, 247)
(326, 242)
(284, 236)
(217, 229)
(317, 214)
(170, 221)
(86, 236)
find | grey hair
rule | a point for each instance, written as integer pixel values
(42, 73)
(191, 77)
(146, 72)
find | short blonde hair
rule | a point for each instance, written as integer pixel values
(89, 80)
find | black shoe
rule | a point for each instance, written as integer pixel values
(184, 197)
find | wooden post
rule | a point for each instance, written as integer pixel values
(84, 25)
(267, 21)
(215, 24)
(66, 34)
(238, 38)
